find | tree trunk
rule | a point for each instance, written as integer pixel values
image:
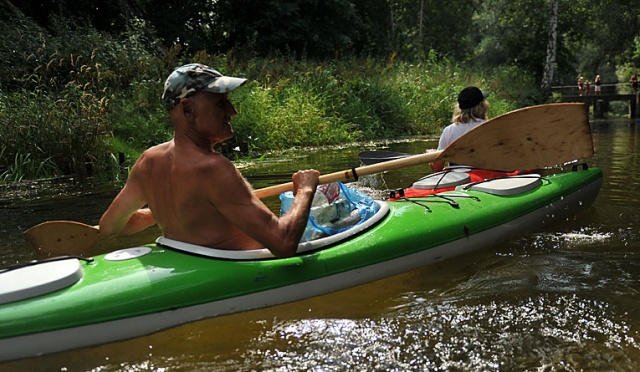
(420, 46)
(130, 9)
(392, 31)
(547, 77)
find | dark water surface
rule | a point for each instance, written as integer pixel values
(565, 298)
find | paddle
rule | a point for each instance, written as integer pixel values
(63, 237)
(529, 138)
(378, 156)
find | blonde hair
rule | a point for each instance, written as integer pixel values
(464, 116)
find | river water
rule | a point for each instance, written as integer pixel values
(565, 298)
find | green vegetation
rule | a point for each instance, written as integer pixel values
(80, 81)
(92, 114)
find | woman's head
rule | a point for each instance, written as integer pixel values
(471, 105)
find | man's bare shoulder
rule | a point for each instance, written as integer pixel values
(158, 150)
(210, 168)
(210, 162)
(152, 157)
(223, 178)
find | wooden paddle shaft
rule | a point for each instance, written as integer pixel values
(354, 173)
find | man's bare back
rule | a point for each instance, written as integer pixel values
(183, 191)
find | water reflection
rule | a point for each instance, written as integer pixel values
(564, 298)
(617, 143)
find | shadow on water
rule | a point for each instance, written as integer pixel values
(563, 298)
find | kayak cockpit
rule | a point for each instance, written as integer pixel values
(261, 254)
(505, 186)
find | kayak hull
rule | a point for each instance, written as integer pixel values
(162, 288)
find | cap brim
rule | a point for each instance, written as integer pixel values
(485, 94)
(224, 84)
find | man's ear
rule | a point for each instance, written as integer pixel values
(186, 106)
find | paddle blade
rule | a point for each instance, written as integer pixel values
(378, 156)
(62, 237)
(530, 138)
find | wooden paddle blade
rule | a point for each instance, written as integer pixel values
(530, 138)
(63, 237)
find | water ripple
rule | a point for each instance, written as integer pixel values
(531, 333)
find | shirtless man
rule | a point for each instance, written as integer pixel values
(195, 194)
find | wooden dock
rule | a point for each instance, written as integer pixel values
(600, 102)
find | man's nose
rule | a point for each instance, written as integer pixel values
(231, 110)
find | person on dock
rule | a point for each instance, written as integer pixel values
(471, 110)
(634, 83)
(580, 85)
(194, 193)
(597, 83)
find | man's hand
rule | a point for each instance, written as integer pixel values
(305, 179)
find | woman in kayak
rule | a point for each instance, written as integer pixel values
(470, 111)
(195, 194)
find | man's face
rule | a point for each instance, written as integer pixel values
(212, 115)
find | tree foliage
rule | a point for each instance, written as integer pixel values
(594, 36)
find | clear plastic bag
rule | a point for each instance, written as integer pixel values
(335, 208)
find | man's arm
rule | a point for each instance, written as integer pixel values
(126, 214)
(237, 203)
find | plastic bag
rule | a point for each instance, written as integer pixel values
(335, 208)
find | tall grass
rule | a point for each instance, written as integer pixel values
(292, 103)
(65, 131)
(91, 107)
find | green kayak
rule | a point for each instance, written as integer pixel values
(69, 302)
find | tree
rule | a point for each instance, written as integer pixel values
(605, 37)
(514, 32)
(109, 16)
(428, 25)
(590, 35)
(182, 22)
(547, 77)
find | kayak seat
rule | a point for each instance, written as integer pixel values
(506, 186)
(38, 278)
(261, 254)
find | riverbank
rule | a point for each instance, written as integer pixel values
(85, 104)
(78, 132)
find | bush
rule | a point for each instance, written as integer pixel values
(53, 96)
(137, 117)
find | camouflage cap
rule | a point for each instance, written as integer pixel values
(192, 78)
